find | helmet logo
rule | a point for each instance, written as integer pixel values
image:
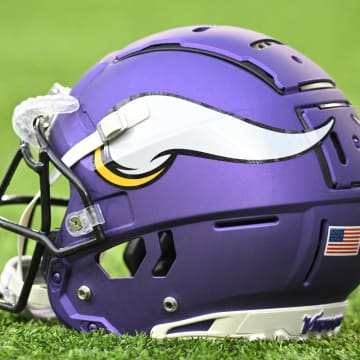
(114, 176)
(176, 126)
(319, 323)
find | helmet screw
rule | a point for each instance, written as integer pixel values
(84, 293)
(170, 304)
(93, 326)
(356, 141)
(56, 277)
(75, 223)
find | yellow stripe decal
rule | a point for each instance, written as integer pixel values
(117, 179)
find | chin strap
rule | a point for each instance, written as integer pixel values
(11, 283)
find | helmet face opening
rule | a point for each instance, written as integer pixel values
(214, 191)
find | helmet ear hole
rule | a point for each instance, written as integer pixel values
(134, 254)
(123, 260)
(168, 254)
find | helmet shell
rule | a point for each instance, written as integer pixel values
(246, 235)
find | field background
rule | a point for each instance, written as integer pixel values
(43, 41)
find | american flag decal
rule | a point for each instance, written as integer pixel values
(342, 241)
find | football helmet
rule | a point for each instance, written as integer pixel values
(217, 166)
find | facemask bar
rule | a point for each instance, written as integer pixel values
(41, 167)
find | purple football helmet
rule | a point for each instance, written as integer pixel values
(218, 167)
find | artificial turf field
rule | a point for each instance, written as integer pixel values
(47, 41)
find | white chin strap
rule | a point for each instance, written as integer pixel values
(11, 283)
(12, 278)
(49, 106)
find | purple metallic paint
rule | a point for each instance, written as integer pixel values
(258, 266)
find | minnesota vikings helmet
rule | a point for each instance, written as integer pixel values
(218, 166)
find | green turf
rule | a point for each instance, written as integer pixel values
(36, 340)
(46, 41)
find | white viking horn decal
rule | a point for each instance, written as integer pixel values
(178, 126)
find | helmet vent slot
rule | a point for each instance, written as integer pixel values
(193, 327)
(259, 72)
(316, 85)
(264, 43)
(338, 148)
(246, 65)
(123, 260)
(201, 29)
(310, 271)
(168, 254)
(236, 223)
